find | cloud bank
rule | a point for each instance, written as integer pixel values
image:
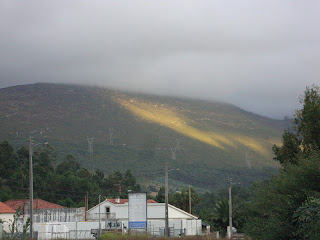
(259, 55)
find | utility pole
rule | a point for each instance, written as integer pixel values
(166, 193)
(85, 208)
(189, 199)
(87, 200)
(31, 145)
(31, 186)
(166, 230)
(230, 208)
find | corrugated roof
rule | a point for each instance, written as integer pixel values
(123, 201)
(37, 204)
(5, 208)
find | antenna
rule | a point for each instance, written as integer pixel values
(90, 150)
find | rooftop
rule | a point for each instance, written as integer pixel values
(5, 208)
(37, 204)
(123, 201)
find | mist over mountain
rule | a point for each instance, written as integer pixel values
(258, 55)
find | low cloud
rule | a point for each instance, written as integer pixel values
(259, 55)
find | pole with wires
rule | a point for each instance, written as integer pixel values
(31, 146)
(31, 186)
(189, 199)
(166, 233)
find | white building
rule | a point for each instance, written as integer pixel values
(116, 210)
(6, 216)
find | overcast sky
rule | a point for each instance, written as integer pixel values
(258, 55)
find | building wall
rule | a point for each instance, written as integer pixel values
(179, 221)
(154, 211)
(157, 211)
(120, 210)
(7, 218)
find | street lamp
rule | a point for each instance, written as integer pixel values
(166, 230)
(31, 146)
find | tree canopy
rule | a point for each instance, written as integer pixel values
(304, 136)
(286, 206)
(66, 184)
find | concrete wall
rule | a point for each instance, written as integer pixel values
(82, 230)
(59, 215)
(65, 230)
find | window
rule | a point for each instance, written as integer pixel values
(107, 209)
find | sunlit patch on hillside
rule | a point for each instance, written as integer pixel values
(250, 143)
(168, 117)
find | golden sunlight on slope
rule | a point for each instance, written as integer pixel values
(165, 116)
(250, 143)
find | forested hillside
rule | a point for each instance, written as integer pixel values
(207, 141)
(65, 183)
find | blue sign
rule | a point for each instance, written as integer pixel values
(137, 224)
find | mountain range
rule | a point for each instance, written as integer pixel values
(204, 142)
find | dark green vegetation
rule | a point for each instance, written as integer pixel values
(285, 207)
(67, 184)
(66, 115)
(288, 205)
(142, 237)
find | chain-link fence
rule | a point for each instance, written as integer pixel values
(160, 232)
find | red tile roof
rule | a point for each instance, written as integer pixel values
(5, 208)
(37, 204)
(123, 201)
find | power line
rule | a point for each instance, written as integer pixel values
(90, 150)
(47, 190)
